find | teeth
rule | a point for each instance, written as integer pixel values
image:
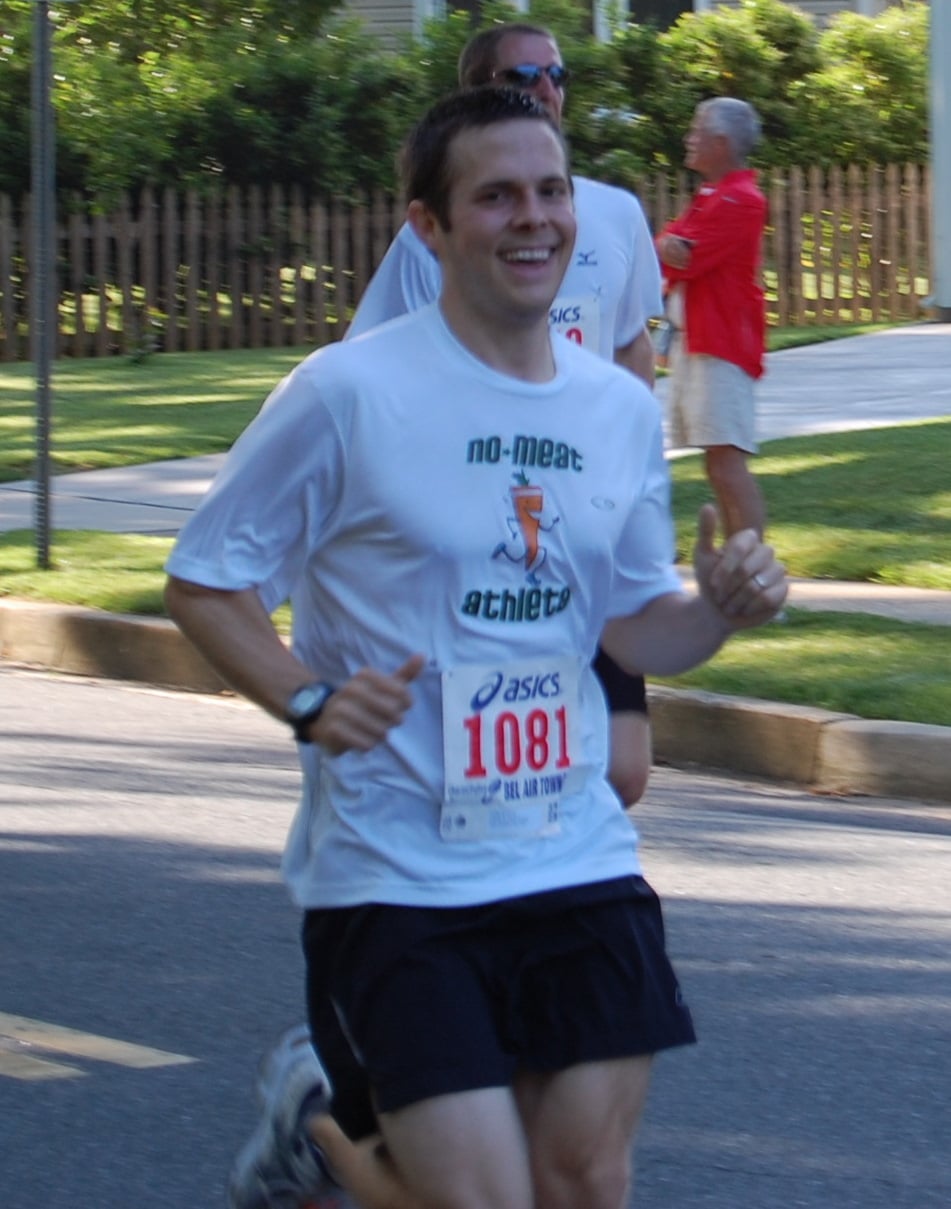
(530, 255)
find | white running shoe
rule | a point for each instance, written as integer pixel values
(279, 1167)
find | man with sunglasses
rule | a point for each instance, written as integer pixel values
(610, 290)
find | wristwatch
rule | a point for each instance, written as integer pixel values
(305, 706)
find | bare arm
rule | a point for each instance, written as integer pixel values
(235, 634)
(740, 585)
(638, 357)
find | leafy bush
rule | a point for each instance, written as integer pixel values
(170, 93)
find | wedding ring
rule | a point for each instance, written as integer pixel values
(760, 583)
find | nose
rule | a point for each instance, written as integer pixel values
(530, 212)
(549, 96)
(545, 90)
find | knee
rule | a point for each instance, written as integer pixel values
(726, 465)
(595, 1181)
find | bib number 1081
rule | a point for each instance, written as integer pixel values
(510, 742)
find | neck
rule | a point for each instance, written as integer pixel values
(519, 346)
(724, 170)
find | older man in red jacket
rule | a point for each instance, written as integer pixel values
(711, 260)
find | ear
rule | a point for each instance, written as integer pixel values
(424, 223)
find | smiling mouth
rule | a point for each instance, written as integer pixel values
(528, 255)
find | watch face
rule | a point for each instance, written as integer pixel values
(304, 708)
(307, 699)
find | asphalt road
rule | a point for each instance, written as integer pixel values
(140, 903)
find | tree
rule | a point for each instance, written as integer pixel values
(178, 93)
(140, 30)
(868, 100)
(15, 61)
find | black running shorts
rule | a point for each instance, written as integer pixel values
(418, 1002)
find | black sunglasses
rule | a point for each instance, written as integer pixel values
(529, 75)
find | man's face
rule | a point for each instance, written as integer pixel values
(532, 50)
(511, 224)
(705, 150)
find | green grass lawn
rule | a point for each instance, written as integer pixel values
(849, 662)
(871, 505)
(117, 412)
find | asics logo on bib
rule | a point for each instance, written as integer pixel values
(545, 685)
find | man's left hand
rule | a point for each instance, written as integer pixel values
(742, 578)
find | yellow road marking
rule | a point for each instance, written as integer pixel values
(27, 1068)
(24, 1032)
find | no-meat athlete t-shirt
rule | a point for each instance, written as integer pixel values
(408, 498)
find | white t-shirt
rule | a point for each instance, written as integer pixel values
(409, 499)
(610, 289)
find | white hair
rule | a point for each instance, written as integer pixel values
(736, 120)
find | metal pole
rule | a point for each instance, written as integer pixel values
(43, 187)
(941, 159)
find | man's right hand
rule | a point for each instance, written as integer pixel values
(364, 708)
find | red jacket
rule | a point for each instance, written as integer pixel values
(723, 300)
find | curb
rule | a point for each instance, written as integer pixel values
(117, 646)
(826, 752)
(829, 753)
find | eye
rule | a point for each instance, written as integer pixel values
(491, 195)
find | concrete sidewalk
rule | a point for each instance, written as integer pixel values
(876, 380)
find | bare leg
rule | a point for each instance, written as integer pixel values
(363, 1168)
(564, 1141)
(465, 1151)
(581, 1124)
(739, 499)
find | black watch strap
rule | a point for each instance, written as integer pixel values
(305, 707)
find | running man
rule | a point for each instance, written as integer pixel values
(474, 907)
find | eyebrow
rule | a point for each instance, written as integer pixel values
(509, 182)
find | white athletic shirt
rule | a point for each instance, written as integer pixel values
(610, 289)
(409, 499)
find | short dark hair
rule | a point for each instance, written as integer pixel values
(425, 157)
(478, 58)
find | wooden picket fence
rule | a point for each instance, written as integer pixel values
(263, 268)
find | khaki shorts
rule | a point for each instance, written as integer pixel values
(711, 402)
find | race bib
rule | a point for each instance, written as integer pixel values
(511, 747)
(577, 318)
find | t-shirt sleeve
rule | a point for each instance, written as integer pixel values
(407, 279)
(275, 493)
(641, 299)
